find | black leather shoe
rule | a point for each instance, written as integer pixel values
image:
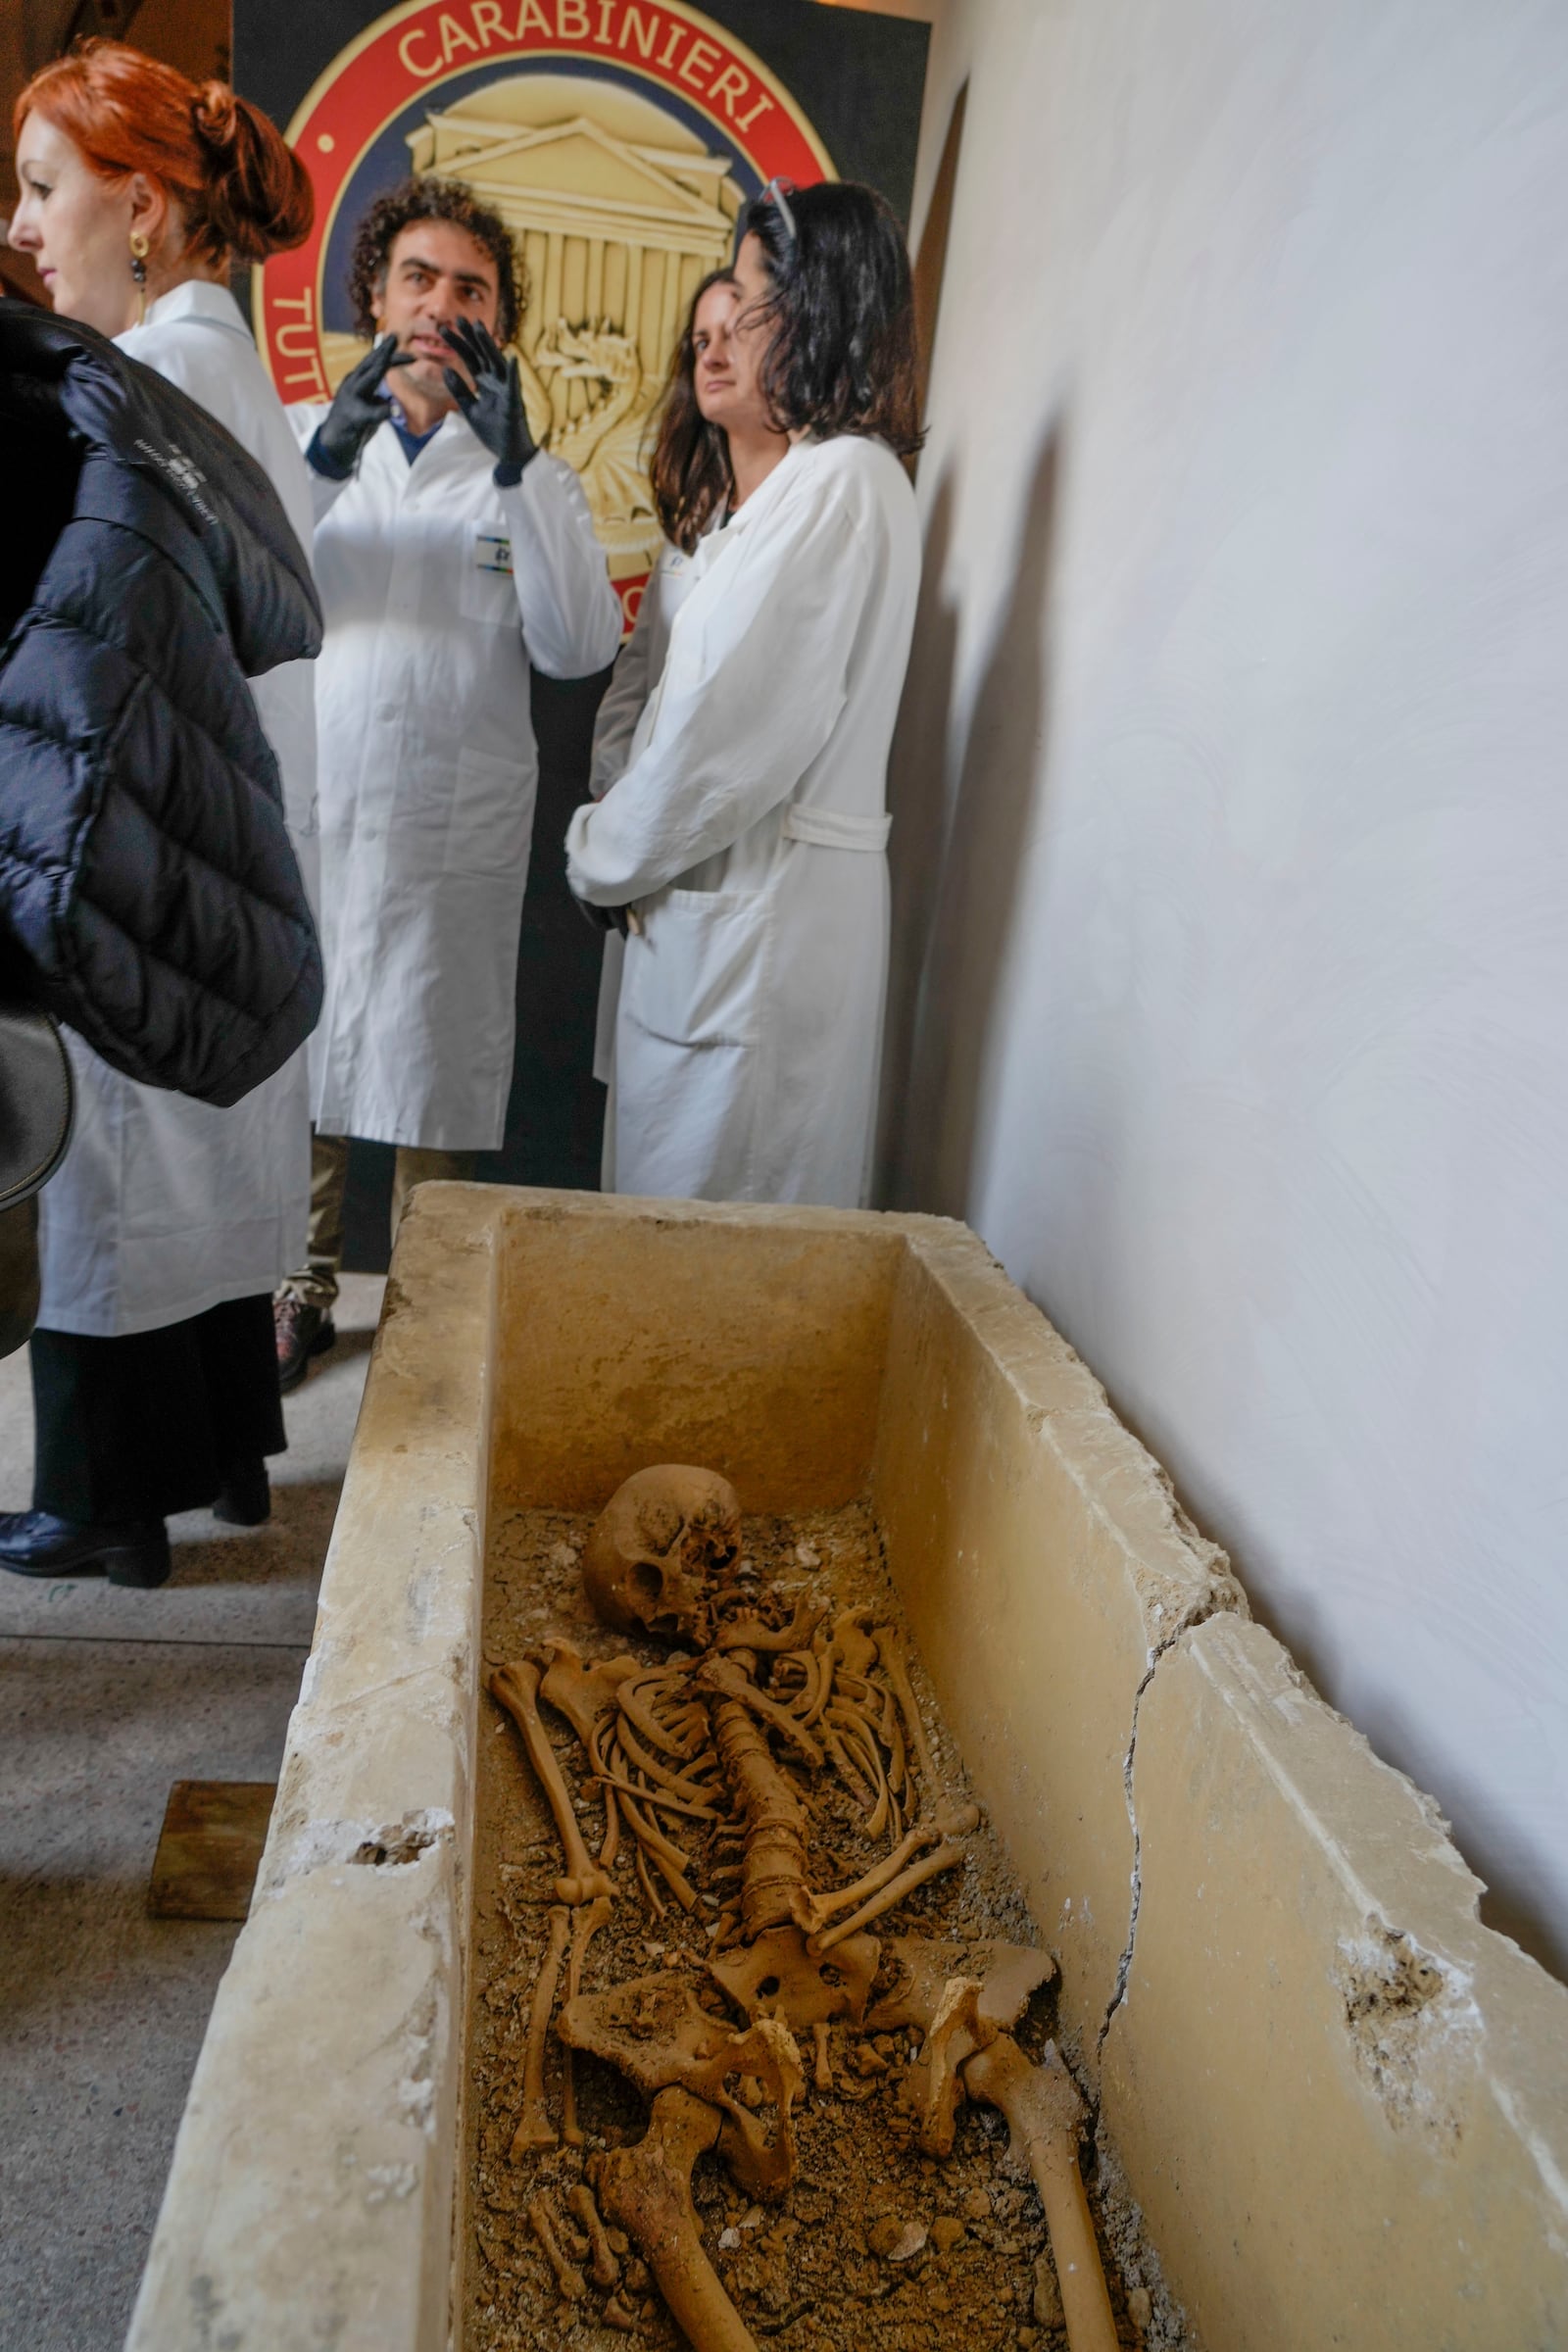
(38, 1543)
(246, 1497)
(301, 1332)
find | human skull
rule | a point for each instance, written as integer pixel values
(657, 1548)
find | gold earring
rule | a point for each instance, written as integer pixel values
(139, 250)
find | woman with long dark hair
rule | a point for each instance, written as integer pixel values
(154, 1363)
(742, 824)
(715, 446)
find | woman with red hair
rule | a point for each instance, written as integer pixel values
(154, 1366)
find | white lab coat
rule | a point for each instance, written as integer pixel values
(639, 667)
(164, 1207)
(749, 828)
(439, 590)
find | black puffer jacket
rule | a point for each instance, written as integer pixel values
(146, 570)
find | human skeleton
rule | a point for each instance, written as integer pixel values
(720, 1764)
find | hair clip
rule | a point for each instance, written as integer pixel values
(778, 192)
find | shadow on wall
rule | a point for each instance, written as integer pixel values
(917, 781)
(957, 857)
(917, 767)
(1511, 1899)
(931, 262)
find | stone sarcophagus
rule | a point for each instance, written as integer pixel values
(1315, 2101)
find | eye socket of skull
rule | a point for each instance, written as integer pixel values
(645, 1585)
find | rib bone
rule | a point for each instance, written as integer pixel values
(846, 1765)
(890, 1649)
(647, 2191)
(824, 1655)
(801, 1667)
(518, 1690)
(657, 1799)
(891, 1732)
(861, 1742)
(683, 1785)
(638, 1711)
(669, 1859)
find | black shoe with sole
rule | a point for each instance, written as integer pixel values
(302, 1332)
(246, 1497)
(38, 1543)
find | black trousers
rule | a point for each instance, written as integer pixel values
(137, 1428)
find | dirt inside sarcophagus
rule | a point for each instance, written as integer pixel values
(874, 2243)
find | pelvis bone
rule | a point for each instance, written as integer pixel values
(659, 2035)
(776, 1977)
(960, 1997)
(663, 1545)
(968, 2052)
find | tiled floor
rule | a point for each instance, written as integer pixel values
(106, 1699)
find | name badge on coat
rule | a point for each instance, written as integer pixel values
(492, 551)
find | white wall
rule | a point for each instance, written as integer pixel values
(1231, 982)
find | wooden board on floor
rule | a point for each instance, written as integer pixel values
(210, 1849)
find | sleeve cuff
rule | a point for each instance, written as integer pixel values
(317, 459)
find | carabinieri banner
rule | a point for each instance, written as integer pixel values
(619, 139)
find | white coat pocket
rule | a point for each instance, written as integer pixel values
(489, 592)
(694, 977)
(491, 818)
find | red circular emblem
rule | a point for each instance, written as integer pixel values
(619, 139)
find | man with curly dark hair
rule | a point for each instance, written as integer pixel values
(434, 200)
(451, 554)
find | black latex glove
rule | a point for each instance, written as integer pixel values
(357, 412)
(493, 402)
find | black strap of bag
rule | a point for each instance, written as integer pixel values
(37, 1108)
(37, 1100)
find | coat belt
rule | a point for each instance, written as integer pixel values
(828, 829)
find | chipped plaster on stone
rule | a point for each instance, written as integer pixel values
(1311, 1999)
